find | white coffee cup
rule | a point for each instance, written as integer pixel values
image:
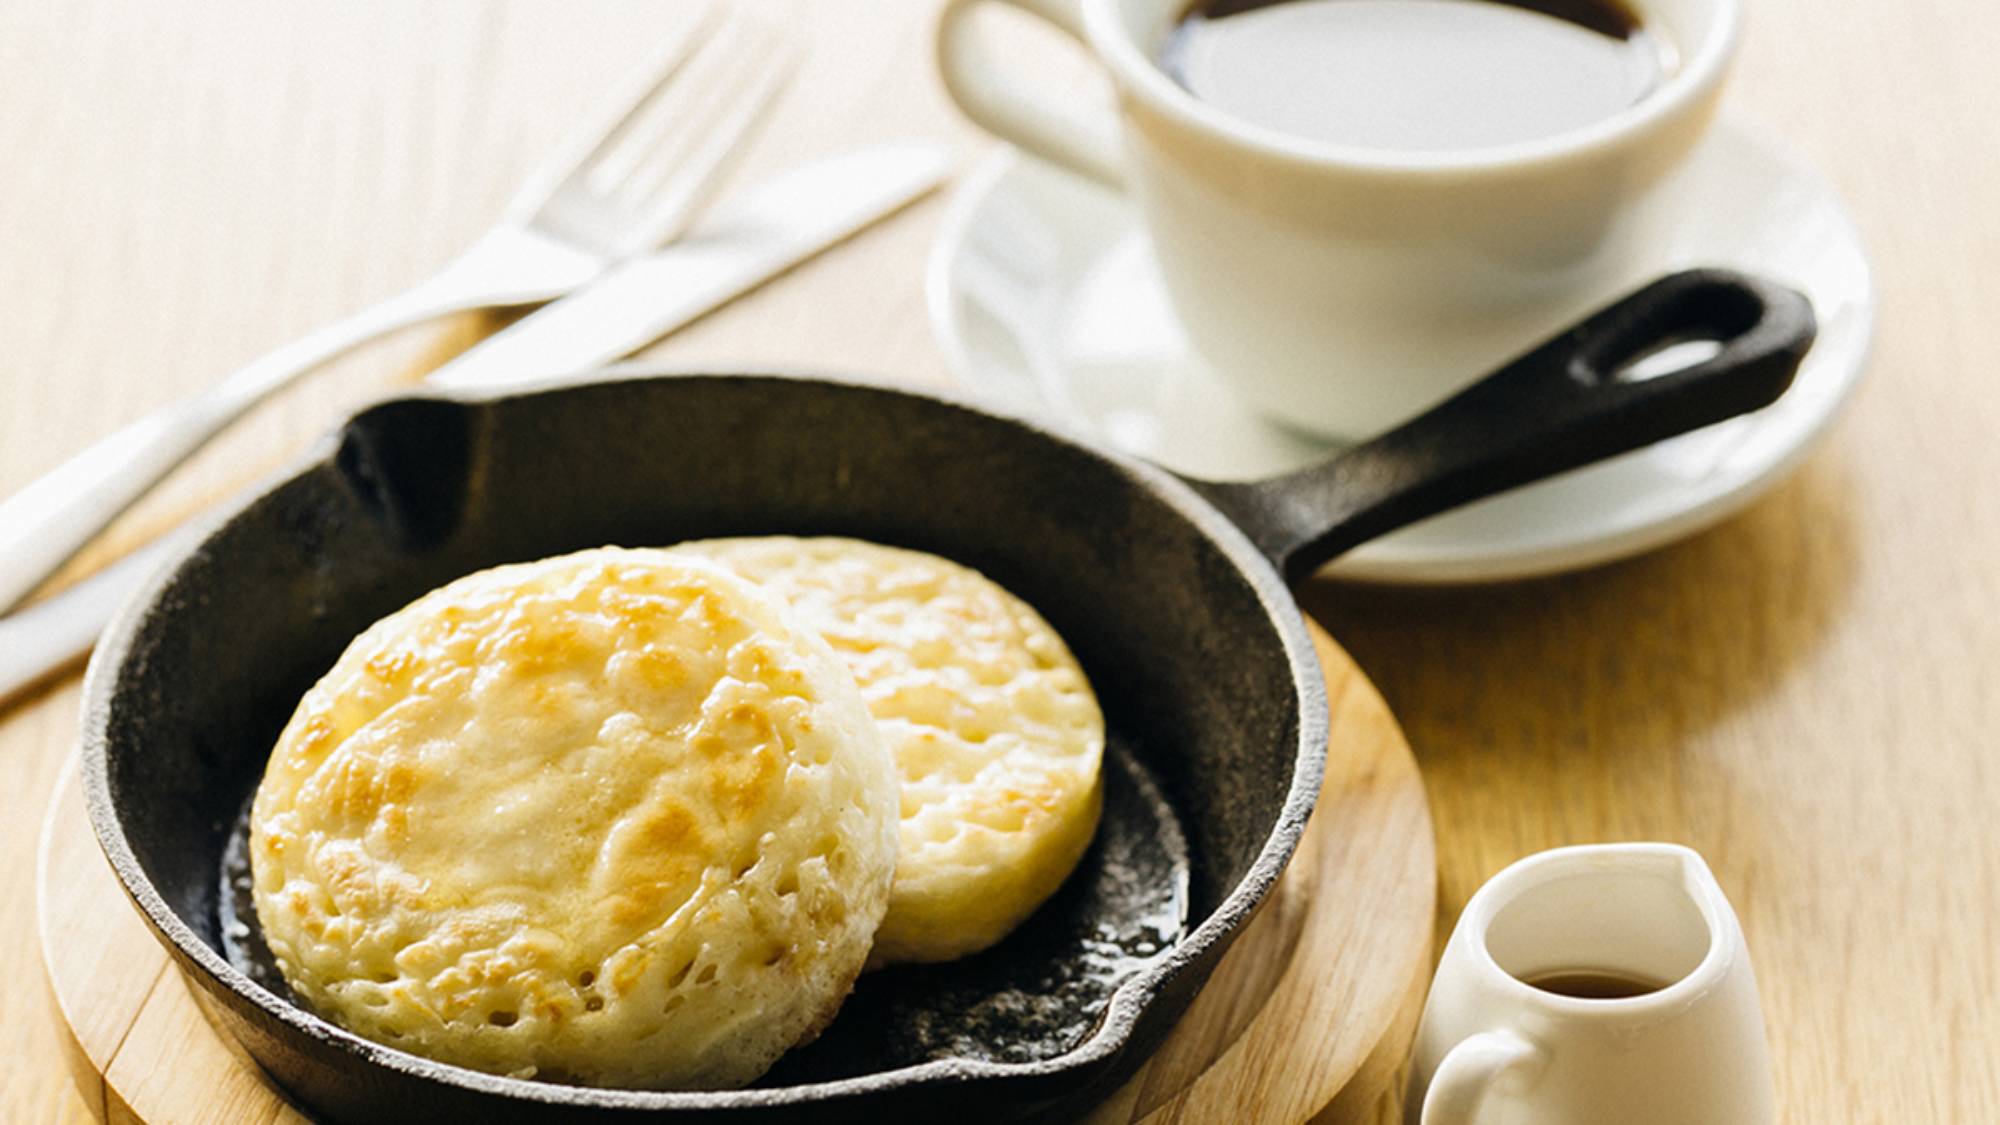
(1495, 1050)
(1343, 290)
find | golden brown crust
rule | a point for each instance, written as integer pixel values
(610, 817)
(993, 725)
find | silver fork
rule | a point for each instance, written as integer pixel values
(628, 187)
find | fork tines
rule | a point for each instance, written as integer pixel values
(672, 137)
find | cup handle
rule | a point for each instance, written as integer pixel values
(1083, 141)
(1468, 1071)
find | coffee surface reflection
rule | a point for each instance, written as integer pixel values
(1417, 75)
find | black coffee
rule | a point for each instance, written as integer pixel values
(1595, 984)
(1416, 75)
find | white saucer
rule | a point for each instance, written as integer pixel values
(1044, 295)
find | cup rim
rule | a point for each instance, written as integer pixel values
(1699, 74)
(1558, 863)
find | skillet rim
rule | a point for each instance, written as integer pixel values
(1129, 1000)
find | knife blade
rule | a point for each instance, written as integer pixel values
(770, 228)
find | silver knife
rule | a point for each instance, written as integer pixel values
(741, 244)
(771, 228)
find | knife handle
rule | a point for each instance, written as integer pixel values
(45, 524)
(49, 636)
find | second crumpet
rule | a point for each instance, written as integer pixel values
(992, 723)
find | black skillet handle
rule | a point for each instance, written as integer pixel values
(1558, 407)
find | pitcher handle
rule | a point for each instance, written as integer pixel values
(1468, 1072)
(1013, 109)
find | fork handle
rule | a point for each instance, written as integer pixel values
(46, 523)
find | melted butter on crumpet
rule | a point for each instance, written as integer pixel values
(610, 818)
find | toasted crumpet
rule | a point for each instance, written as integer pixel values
(609, 818)
(993, 726)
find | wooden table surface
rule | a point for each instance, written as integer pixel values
(1808, 694)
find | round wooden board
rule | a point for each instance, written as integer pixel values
(1308, 1017)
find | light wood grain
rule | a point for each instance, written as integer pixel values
(1309, 1015)
(1806, 694)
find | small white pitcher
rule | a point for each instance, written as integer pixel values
(1496, 1050)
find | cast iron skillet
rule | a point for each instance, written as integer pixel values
(1169, 591)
